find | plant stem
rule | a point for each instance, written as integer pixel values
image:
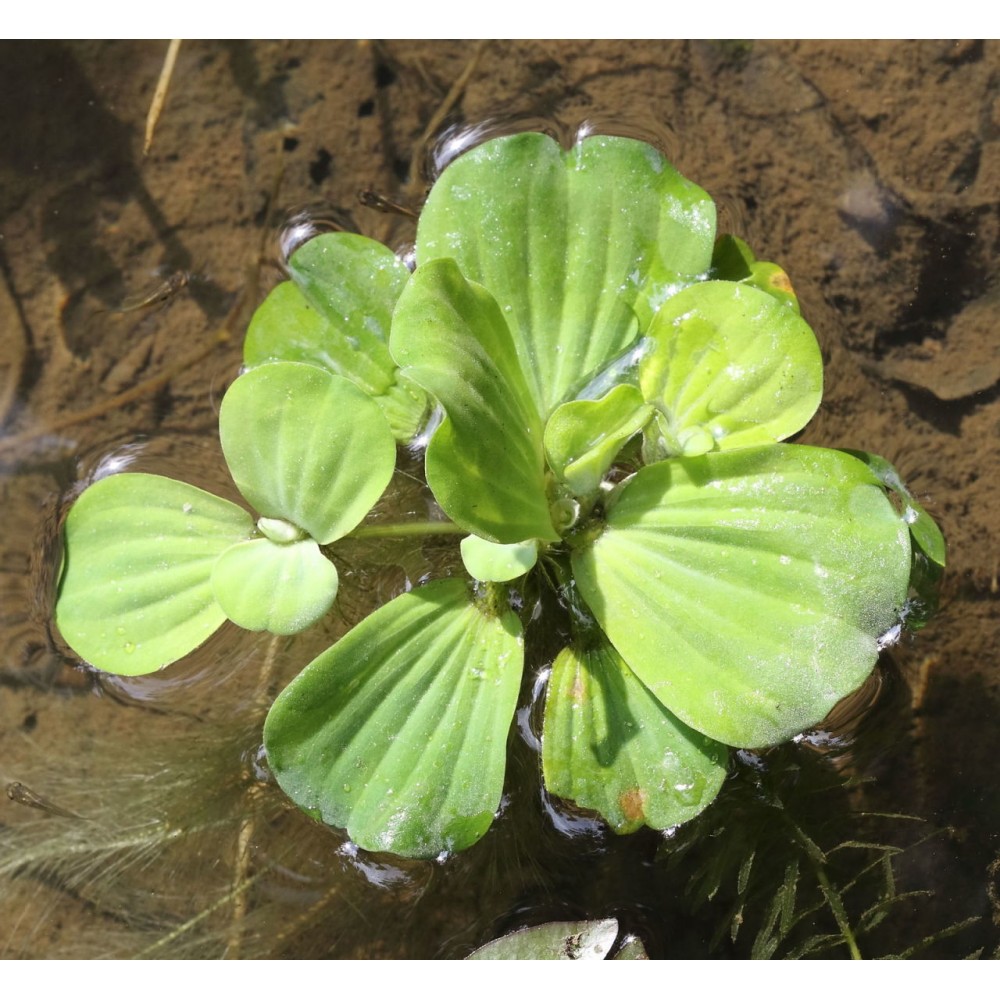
(407, 530)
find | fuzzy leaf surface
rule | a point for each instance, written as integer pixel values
(485, 462)
(306, 446)
(583, 436)
(279, 588)
(398, 732)
(495, 562)
(730, 360)
(573, 244)
(135, 593)
(336, 314)
(609, 745)
(748, 589)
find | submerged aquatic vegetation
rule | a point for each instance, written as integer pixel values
(610, 387)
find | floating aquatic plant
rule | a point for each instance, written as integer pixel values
(611, 386)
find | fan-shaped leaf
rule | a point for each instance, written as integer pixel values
(399, 731)
(609, 745)
(583, 436)
(485, 462)
(748, 589)
(135, 593)
(495, 562)
(281, 588)
(306, 446)
(336, 314)
(572, 244)
(731, 365)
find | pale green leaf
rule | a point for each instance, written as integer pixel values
(281, 588)
(135, 593)
(399, 731)
(336, 314)
(733, 260)
(748, 589)
(923, 528)
(485, 462)
(306, 446)
(491, 561)
(563, 940)
(583, 437)
(610, 746)
(731, 365)
(573, 244)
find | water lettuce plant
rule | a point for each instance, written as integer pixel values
(604, 389)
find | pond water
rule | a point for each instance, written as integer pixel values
(143, 822)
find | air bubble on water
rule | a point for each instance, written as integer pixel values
(303, 224)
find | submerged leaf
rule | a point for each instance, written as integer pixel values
(135, 593)
(732, 364)
(748, 589)
(306, 446)
(280, 588)
(399, 731)
(573, 244)
(485, 462)
(566, 940)
(609, 745)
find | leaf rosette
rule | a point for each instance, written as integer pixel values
(613, 387)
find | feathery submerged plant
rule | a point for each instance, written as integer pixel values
(609, 388)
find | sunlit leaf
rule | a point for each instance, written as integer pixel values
(399, 731)
(306, 446)
(135, 593)
(573, 244)
(485, 462)
(280, 588)
(336, 314)
(495, 562)
(566, 940)
(748, 589)
(609, 745)
(733, 260)
(923, 528)
(583, 436)
(733, 364)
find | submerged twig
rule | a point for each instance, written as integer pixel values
(248, 824)
(160, 94)
(444, 108)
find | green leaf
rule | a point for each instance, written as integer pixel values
(929, 550)
(485, 463)
(733, 260)
(279, 588)
(336, 314)
(609, 745)
(354, 282)
(583, 437)
(399, 731)
(491, 561)
(572, 244)
(732, 365)
(135, 593)
(748, 589)
(563, 940)
(306, 446)
(923, 528)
